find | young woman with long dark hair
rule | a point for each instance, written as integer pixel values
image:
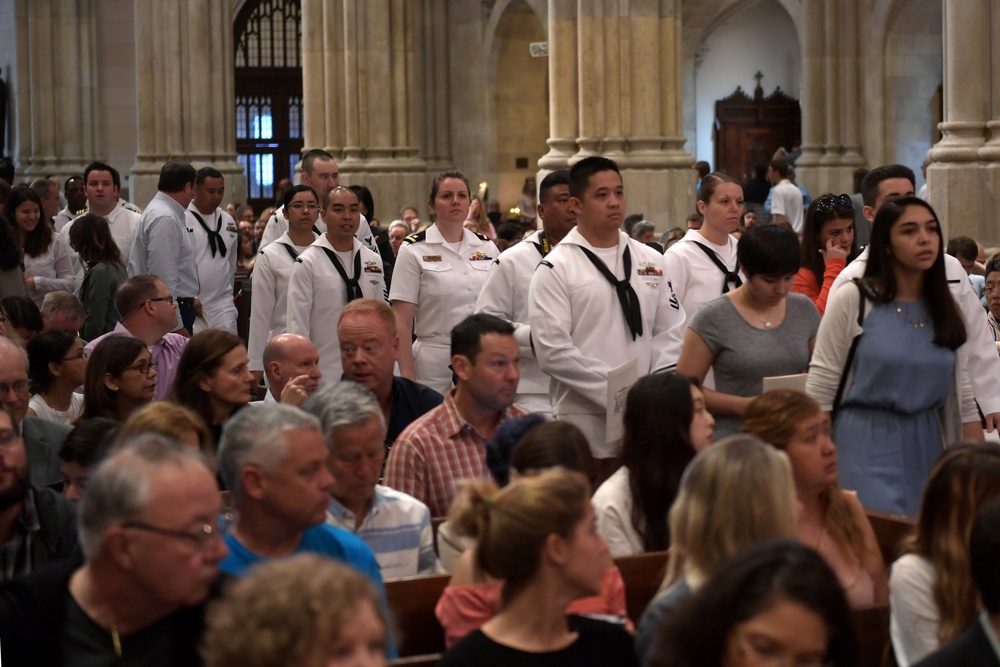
(666, 424)
(90, 236)
(906, 395)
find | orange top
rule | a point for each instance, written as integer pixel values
(463, 609)
(805, 282)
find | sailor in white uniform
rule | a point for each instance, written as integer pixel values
(597, 301)
(506, 291)
(333, 271)
(216, 240)
(437, 279)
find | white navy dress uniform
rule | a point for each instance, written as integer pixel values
(505, 295)
(216, 245)
(443, 280)
(278, 225)
(269, 295)
(318, 290)
(580, 330)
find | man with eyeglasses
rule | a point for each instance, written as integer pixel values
(42, 438)
(37, 525)
(152, 542)
(149, 313)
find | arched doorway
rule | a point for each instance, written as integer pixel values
(268, 81)
(520, 101)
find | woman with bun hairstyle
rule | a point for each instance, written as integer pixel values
(539, 536)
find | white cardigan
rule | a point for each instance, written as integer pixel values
(837, 330)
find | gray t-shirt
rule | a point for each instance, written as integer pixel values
(745, 355)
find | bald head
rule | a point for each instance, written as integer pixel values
(290, 357)
(14, 393)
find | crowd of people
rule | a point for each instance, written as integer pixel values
(443, 398)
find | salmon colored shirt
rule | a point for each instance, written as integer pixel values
(805, 282)
(462, 609)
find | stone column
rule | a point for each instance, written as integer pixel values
(989, 233)
(360, 98)
(813, 100)
(619, 68)
(956, 182)
(54, 93)
(563, 127)
(851, 98)
(186, 94)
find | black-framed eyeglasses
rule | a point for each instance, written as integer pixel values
(829, 204)
(82, 354)
(202, 539)
(143, 367)
(169, 299)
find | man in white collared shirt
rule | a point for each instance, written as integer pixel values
(163, 246)
(103, 187)
(786, 198)
(216, 241)
(291, 366)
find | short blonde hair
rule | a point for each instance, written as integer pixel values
(286, 612)
(376, 307)
(170, 420)
(734, 494)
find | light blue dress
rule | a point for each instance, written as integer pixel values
(888, 430)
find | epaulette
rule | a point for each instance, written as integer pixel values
(482, 237)
(415, 238)
(547, 263)
(130, 206)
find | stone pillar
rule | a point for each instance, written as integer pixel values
(618, 67)
(851, 98)
(956, 181)
(563, 117)
(989, 232)
(186, 95)
(360, 94)
(813, 100)
(55, 91)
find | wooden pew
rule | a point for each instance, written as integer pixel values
(871, 626)
(642, 575)
(412, 601)
(890, 530)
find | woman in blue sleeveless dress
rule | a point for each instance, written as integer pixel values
(907, 395)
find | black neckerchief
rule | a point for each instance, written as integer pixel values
(627, 297)
(215, 242)
(728, 276)
(353, 286)
(543, 244)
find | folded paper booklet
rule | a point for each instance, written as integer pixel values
(620, 380)
(797, 382)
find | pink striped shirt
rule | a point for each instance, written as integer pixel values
(436, 453)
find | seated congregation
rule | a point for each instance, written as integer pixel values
(424, 452)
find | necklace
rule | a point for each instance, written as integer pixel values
(766, 321)
(916, 325)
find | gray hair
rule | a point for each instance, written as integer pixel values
(397, 223)
(344, 403)
(62, 302)
(640, 228)
(255, 435)
(119, 487)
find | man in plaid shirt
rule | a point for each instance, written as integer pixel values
(447, 446)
